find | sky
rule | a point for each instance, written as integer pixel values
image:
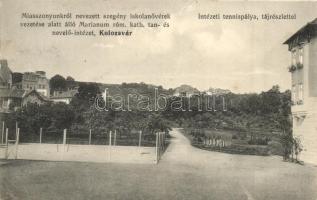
(242, 56)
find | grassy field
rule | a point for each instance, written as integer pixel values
(184, 172)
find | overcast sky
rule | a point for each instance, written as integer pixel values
(240, 56)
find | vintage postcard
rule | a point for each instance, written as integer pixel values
(137, 100)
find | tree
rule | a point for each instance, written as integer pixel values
(17, 77)
(32, 117)
(286, 140)
(297, 146)
(69, 78)
(57, 82)
(88, 91)
(271, 100)
(84, 100)
(157, 123)
(63, 116)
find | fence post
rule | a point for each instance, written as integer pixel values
(2, 132)
(17, 143)
(64, 138)
(16, 127)
(156, 150)
(140, 138)
(161, 144)
(110, 133)
(7, 144)
(164, 140)
(89, 137)
(41, 130)
(115, 137)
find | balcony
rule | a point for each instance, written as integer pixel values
(299, 106)
(300, 102)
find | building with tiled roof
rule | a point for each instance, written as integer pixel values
(303, 68)
(63, 96)
(32, 81)
(11, 99)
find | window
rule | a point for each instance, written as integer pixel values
(300, 92)
(294, 57)
(294, 99)
(5, 104)
(301, 56)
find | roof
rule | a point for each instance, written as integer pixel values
(64, 94)
(5, 72)
(218, 91)
(12, 93)
(309, 30)
(36, 93)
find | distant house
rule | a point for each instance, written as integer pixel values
(303, 68)
(63, 96)
(11, 99)
(217, 91)
(5, 75)
(34, 96)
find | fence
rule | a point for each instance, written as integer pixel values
(69, 145)
(9, 145)
(90, 137)
(160, 145)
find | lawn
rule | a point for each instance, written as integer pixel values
(73, 180)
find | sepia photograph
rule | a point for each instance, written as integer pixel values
(158, 100)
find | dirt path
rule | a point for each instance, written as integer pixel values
(244, 176)
(181, 151)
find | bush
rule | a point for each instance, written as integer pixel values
(259, 141)
(234, 137)
(276, 148)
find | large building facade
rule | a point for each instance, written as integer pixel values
(303, 69)
(34, 81)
